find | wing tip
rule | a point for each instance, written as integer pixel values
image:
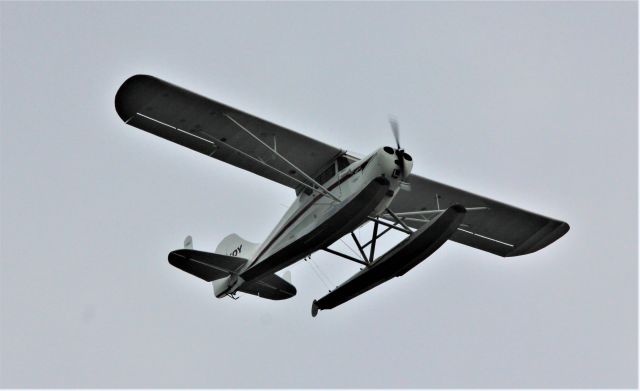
(125, 96)
(544, 237)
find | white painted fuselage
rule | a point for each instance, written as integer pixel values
(309, 211)
(313, 209)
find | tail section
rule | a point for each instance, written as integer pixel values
(206, 266)
(222, 268)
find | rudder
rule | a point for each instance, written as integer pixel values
(233, 245)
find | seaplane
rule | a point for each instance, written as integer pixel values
(336, 194)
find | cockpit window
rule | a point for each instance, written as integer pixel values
(326, 175)
(343, 163)
(339, 164)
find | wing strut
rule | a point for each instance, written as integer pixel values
(345, 256)
(217, 142)
(367, 261)
(397, 219)
(357, 242)
(325, 191)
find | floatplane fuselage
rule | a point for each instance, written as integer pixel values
(361, 189)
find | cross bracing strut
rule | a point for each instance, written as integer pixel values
(367, 261)
(396, 218)
(377, 236)
(392, 226)
(355, 239)
(345, 256)
(373, 241)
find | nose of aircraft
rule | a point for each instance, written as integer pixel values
(398, 162)
(405, 161)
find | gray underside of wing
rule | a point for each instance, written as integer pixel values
(203, 125)
(499, 229)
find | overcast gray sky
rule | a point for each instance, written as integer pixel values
(534, 104)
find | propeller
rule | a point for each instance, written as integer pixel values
(395, 129)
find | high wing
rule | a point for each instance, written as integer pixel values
(488, 225)
(216, 130)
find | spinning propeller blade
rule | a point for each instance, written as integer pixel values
(395, 129)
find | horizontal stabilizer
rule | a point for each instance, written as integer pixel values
(397, 261)
(269, 287)
(207, 266)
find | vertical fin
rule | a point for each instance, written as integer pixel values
(188, 242)
(235, 246)
(287, 276)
